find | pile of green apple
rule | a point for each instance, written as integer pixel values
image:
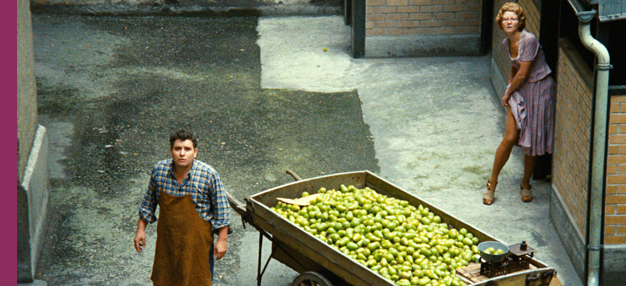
(406, 244)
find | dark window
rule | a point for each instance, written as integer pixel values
(568, 28)
(617, 51)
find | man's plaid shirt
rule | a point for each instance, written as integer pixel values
(204, 185)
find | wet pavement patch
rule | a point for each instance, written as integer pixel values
(124, 83)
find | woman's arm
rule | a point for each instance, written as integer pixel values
(516, 78)
(520, 76)
(512, 74)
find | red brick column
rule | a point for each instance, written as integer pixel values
(615, 199)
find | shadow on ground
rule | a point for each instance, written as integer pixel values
(111, 89)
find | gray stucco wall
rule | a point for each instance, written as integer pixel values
(497, 80)
(26, 86)
(35, 183)
(574, 244)
(32, 155)
(23, 237)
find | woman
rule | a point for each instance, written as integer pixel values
(529, 99)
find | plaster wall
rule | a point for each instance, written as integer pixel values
(36, 203)
(32, 177)
(26, 86)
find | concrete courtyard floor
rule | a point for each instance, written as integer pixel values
(428, 125)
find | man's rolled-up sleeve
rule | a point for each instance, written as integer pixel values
(221, 208)
(149, 203)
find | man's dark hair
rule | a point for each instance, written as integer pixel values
(183, 135)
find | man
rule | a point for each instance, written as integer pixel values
(193, 205)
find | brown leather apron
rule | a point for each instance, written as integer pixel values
(183, 242)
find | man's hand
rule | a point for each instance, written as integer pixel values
(140, 236)
(140, 240)
(220, 249)
(220, 245)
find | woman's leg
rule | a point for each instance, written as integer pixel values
(529, 166)
(511, 137)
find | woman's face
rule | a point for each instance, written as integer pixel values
(510, 22)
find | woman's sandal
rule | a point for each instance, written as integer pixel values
(527, 195)
(488, 194)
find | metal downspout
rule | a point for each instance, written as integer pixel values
(598, 163)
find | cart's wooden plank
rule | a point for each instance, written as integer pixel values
(471, 272)
(555, 281)
(305, 201)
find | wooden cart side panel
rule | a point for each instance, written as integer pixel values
(300, 263)
(292, 258)
(314, 249)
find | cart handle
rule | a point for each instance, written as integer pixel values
(293, 174)
(236, 205)
(240, 208)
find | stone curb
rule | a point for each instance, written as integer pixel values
(34, 283)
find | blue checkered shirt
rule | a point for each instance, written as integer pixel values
(204, 185)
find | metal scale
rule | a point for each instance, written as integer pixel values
(517, 259)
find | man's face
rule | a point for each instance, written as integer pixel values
(183, 153)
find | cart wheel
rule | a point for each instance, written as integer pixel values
(311, 278)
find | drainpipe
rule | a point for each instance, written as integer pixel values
(598, 157)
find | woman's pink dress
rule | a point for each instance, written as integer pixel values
(532, 103)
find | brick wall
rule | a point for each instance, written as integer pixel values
(532, 16)
(572, 133)
(615, 199)
(422, 17)
(422, 28)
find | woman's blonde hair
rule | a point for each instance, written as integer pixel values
(515, 8)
